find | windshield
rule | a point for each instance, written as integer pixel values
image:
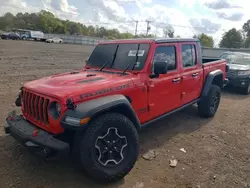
(119, 55)
(236, 58)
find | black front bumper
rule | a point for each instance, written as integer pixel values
(37, 140)
(239, 82)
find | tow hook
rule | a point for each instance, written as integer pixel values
(12, 115)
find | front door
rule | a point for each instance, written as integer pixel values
(165, 91)
(192, 73)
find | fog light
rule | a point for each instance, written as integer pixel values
(243, 83)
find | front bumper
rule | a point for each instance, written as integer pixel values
(239, 82)
(35, 139)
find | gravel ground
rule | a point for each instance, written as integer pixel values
(217, 149)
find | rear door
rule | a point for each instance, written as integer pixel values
(164, 91)
(191, 74)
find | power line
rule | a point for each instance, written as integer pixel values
(157, 25)
(162, 23)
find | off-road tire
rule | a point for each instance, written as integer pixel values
(85, 152)
(205, 108)
(246, 90)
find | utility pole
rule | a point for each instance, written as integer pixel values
(136, 25)
(148, 27)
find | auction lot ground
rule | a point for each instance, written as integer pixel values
(218, 149)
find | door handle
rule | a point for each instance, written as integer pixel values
(195, 74)
(176, 80)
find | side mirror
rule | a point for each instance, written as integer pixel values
(160, 67)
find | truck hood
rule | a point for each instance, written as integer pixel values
(238, 67)
(79, 85)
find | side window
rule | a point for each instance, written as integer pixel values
(224, 56)
(166, 54)
(188, 55)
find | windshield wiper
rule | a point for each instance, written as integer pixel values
(114, 56)
(129, 63)
(105, 64)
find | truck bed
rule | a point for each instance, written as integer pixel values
(209, 59)
(211, 64)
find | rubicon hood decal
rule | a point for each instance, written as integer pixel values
(103, 91)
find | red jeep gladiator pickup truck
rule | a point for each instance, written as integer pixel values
(96, 113)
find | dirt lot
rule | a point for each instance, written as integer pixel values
(218, 149)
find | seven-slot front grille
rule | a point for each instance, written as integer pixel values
(36, 107)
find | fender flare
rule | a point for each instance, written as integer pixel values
(95, 107)
(209, 81)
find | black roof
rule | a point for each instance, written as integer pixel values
(164, 40)
(159, 40)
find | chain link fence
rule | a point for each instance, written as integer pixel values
(75, 39)
(92, 41)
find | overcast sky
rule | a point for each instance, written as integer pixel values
(188, 17)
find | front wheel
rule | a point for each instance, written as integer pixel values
(246, 90)
(209, 104)
(109, 148)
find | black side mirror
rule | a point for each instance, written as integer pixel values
(160, 67)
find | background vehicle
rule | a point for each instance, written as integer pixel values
(26, 34)
(239, 70)
(54, 40)
(13, 36)
(97, 112)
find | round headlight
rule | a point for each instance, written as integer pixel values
(55, 110)
(58, 108)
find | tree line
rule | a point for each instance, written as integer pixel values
(48, 23)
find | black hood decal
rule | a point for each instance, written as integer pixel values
(105, 90)
(90, 80)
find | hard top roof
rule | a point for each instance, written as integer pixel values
(148, 40)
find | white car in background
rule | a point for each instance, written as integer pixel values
(54, 40)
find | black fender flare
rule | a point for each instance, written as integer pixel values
(98, 106)
(209, 80)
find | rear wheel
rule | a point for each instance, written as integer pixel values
(109, 148)
(209, 104)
